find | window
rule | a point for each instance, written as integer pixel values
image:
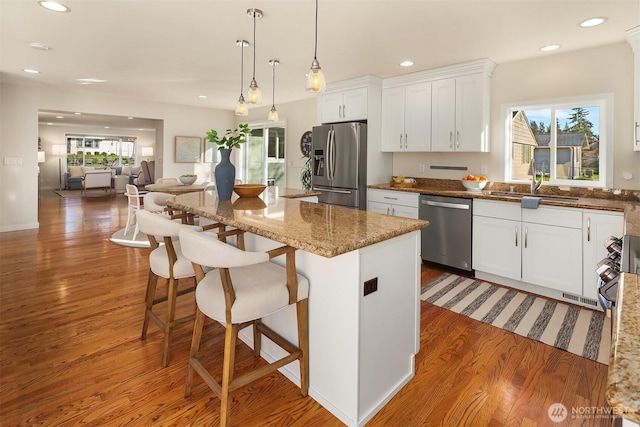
(100, 150)
(571, 152)
(263, 156)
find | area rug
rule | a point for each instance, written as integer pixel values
(119, 238)
(584, 332)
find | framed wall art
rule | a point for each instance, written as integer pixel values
(188, 149)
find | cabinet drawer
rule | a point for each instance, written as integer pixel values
(394, 197)
(495, 209)
(560, 217)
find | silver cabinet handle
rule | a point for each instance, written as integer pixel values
(400, 140)
(526, 236)
(446, 205)
(389, 198)
(457, 139)
(340, 111)
(406, 143)
(387, 210)
(588, 229)
(393, 211)
(516, 236)
(344, 111)
(635, 133)
(451, 139)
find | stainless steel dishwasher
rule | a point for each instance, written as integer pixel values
(447, 239)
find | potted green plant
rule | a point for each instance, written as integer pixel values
(225, 171)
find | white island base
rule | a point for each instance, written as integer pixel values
(361, 348)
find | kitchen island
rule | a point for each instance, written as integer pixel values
(361, 347)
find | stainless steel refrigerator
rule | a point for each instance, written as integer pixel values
(340, 164)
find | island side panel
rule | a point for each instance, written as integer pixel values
(389, 321)
(333, 328)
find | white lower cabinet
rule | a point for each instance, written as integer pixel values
(396, 203)
(540, 246)
(597, 227)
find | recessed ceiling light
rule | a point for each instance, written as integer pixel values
(130, 118)
(39, 46)
(593, 22)
(106, 127)
(77, 114)
(406, 63)
(59, 117)
(202, 96)
(30, 71)
(90, 81)
(550, 47)
(55, 6)
(49, 124)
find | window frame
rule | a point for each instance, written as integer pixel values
(603, 100)
(242, 155)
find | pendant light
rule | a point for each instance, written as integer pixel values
(315, 78)
(254, 95)
(273, 114)
(241, 107)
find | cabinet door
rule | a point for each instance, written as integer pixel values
(354, 104)
(404, 211)
(596, 229)
(417, 117)
(331, 107)
(470, 134)
(496, 246)
(552, 257)
(393, 119)
(443, 114)
(377, 207)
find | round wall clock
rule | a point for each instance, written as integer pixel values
(305, 143)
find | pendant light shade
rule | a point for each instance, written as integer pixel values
(315, 79)
(254, 95)
(273, 114)
(241, 107)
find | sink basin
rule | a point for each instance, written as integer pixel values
(559, 199)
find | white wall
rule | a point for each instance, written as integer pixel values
(605, 69)
(19, 105)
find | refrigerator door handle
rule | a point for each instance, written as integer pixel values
(328, 155)
(332, 151)
(331, 190)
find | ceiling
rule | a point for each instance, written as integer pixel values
(176, 50)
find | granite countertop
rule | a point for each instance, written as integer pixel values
(623, 385)
(293, 193)
(627, 201)
(322, 229)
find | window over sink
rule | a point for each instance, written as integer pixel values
(563, 141)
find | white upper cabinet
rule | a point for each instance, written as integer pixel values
(633, 38)
(406, 118)
(460, 114)
(344, 106)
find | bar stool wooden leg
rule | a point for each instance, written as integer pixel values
(230, 338)
(172, 295)
(195, 346)
(257, 338)
(302, 309)
(152, 283)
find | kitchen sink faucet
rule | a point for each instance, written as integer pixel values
(535, 184)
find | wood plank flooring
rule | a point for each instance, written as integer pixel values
(71, 311)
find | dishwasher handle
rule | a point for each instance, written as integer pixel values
(446, 205)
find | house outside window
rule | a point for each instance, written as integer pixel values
(574, 151)
(100, 151)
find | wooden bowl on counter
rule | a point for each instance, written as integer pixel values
(249, 190)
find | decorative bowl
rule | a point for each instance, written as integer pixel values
(474, 186)
(249, 190)
(187, 180)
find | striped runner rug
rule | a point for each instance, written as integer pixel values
(584, 332)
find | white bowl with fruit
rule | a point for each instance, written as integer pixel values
(474, 184)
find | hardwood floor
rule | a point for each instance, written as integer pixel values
(71, 311)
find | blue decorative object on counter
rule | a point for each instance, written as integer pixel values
(529, 202)
(225, 174)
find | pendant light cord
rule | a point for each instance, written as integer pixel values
(273, 95)
(315, 50)
(241, 64)
(254, 45)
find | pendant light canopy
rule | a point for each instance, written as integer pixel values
(254, 95)
(315, 78)
(273, 114)
(241, 107)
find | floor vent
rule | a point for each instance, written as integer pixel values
(582, 300)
